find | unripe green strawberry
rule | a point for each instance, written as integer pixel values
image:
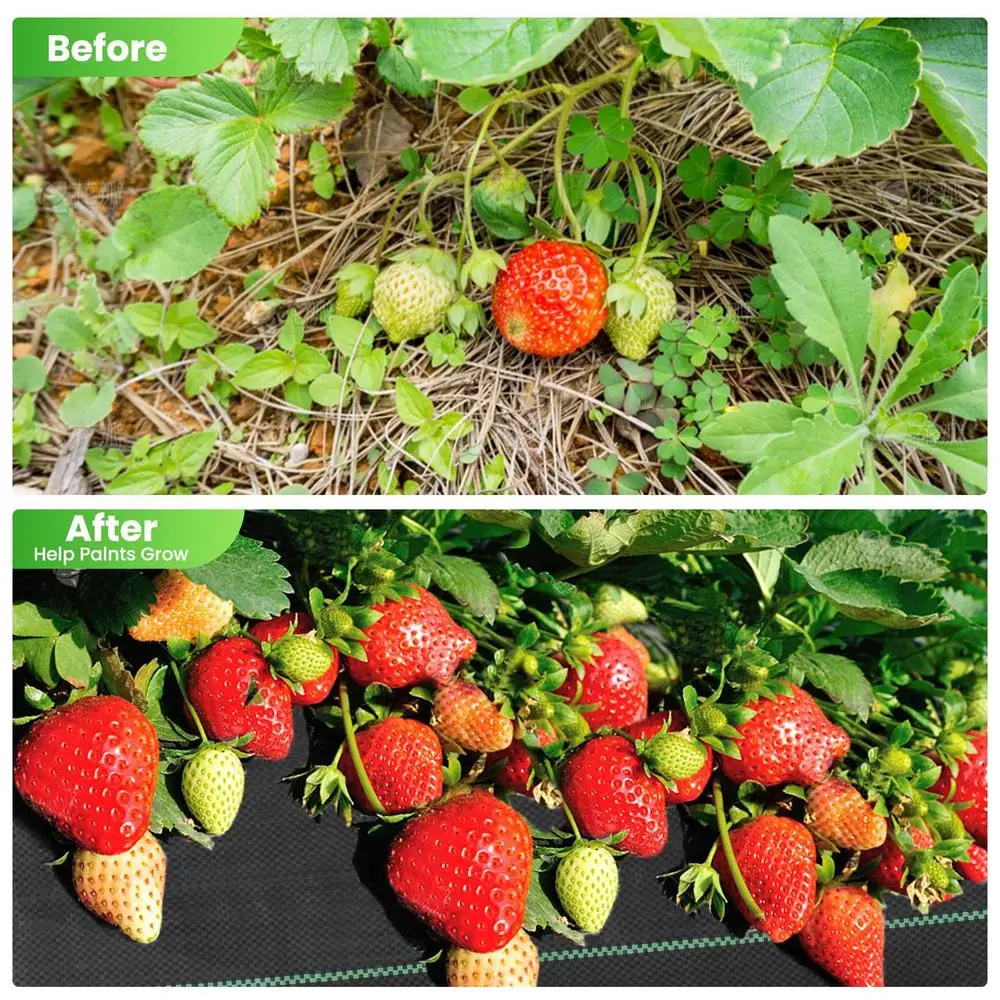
(212, 784)
(355, 284)
(707, 720)
(372, 576)
(673, 756)
(938, 876)
(412, 296)
(951, 744)
(663, 675)
(748, 676)
(587, 885)
(951, 827)
(976, 703)
(632, 336)
(915, 808)
(501, 200)
(895, 761)
(334, 620)
(301, 658)
(614, 605)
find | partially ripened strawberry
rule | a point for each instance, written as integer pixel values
(969, 785)
(549, 300)
(685, 789)
(125, 889)
(633, 642)
(91, 770)
(464, 714)
(777, 857)
(212, 784)
(607, 789)
(838, 812)
(403, 759)
(415, 641)
(845, 935)
(975, 868)
(516, 773)
(464, 867)
(788, 740)
(613, 683)
(515, 964)
(890, 868)
(298, 622)
(231, 687)
(183, 609)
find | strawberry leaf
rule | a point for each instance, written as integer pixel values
(249, 575)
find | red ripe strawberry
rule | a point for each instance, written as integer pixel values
(91, 769)
(415, 641)
(607, 789)
(464, 866)
(777, 857)
(788, 739)
(890, 860)
(614, 682)
(845, 935)
(403, 759)
(464, 714)
(969, 785)
(549, 300)
(232, 689)
(839, 813)
(516, 774)
(975, 868)
(313, 692)
(687, 789)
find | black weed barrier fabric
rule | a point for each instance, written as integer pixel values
(285, 900)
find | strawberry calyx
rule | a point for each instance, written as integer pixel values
(714, 722)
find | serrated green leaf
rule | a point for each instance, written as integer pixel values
(885, 553)
(744, 433)
(480, 51)
(816, 457)
(837, 91)
(325, 48)
(465, 579)
(825, 289)
(249, 575)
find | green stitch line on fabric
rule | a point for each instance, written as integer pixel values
(603, 951)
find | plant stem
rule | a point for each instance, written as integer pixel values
(352, 749)
(657, 202)
(557, 172)
(187, 701)
(727, 849)
(796, 627)
(390, 215)
(572, 821)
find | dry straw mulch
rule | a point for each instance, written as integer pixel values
(532, 411)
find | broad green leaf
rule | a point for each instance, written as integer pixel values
(292, 103)
(816, 457)
(592, 539)
(871, 596)
(465, 579)
(953, 79)
(142, 480)
(325, 48)
(656, 531)
(191, 451)
(178, 324)
(67, 330)
(480, 51)
(826, 291)
(32, 621)
(758, 530)
(265, 370)
(743, 47)
(72, 660)
(836, 676)
(837, 91)
(168, 235)
(967, 458)
(963, 394)
(743, 434)
(404, 74)
(943, 341)
(28, 374)
(869, 550)
(249, 575)
(24, 207)
(87, 405)
(330, 389)
(414, 408)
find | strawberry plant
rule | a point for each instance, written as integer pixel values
(802, 692)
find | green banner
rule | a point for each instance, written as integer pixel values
(122, 539)
(122, 46)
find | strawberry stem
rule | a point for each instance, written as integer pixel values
(187, 702)
(572, 821)
(727, 849)
(352, 749)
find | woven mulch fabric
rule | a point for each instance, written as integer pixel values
(284, 900)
